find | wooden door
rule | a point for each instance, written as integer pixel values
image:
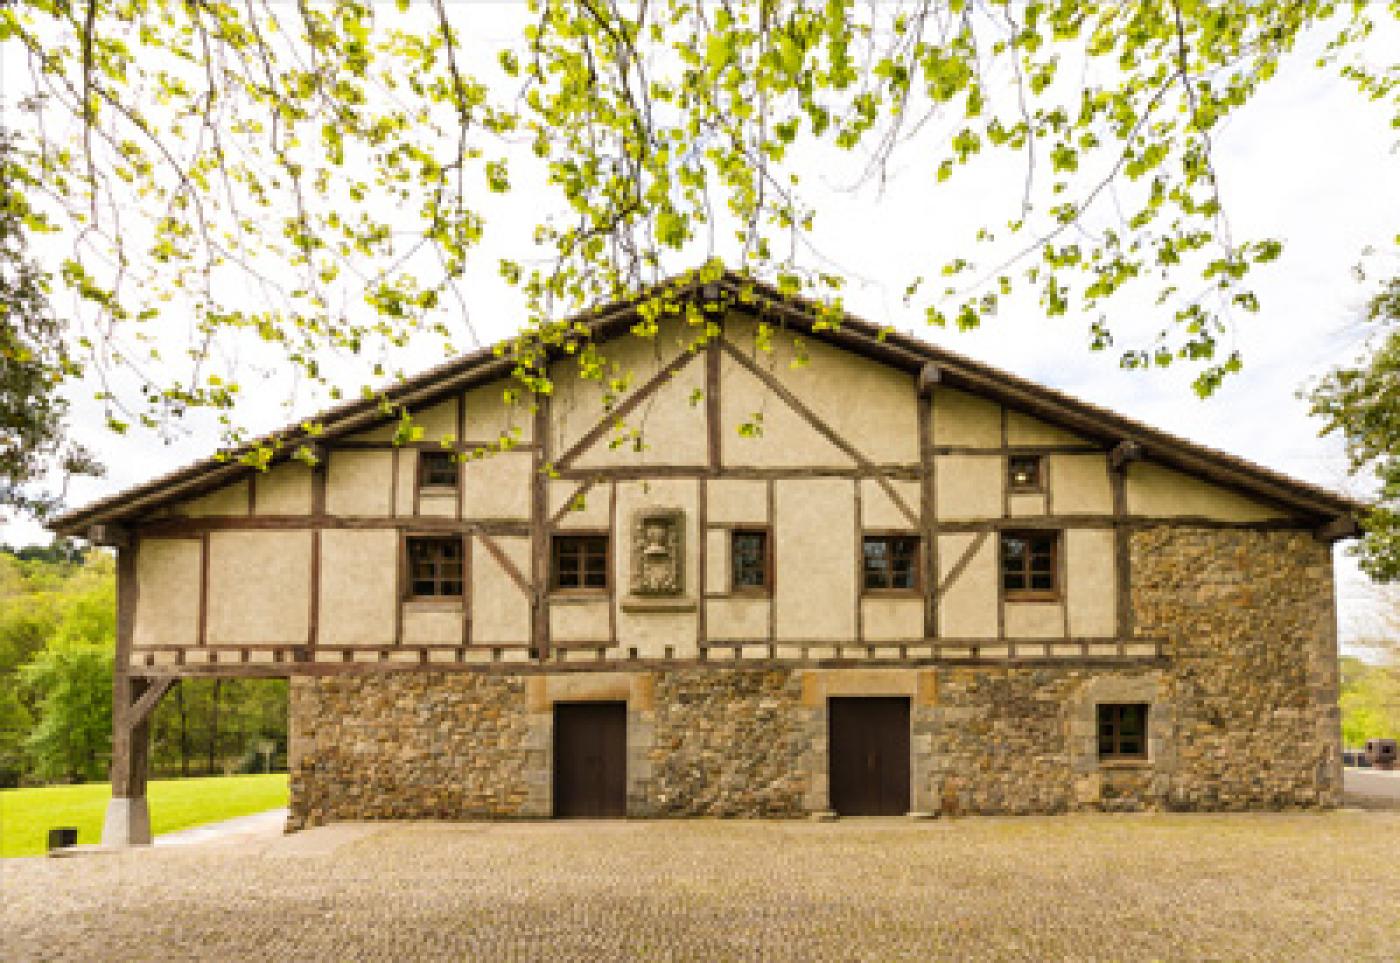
(590, 760)
(869, 753)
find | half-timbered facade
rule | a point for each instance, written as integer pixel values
(791, 570)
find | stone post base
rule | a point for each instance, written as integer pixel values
(128, 823)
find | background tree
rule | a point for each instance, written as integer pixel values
(313, 178)
(1361, 402)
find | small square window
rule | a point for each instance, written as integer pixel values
(891, 562)
(1023, 473)
(1030, 565)
(579, 562)
(748, 550)
(435, 567)
(1123, 730)
(437, 469)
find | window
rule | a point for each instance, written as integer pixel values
(1028, 565)
(579, 562)
(1023, 473)
(748, 552)
(1123, 730)
(437, 469)
(435, 567)
(891, 562)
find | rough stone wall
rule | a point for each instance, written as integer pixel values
(1251, 625)
(1242, 715)
(728, 742)
(409, 745)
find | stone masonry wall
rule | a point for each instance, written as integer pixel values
(728, 742)
(1251, 623)
(1242, 715)
(408, 745)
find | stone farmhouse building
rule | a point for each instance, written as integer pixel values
(924, 586)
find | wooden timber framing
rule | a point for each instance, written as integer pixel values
(128, 769)
(1303, 508)
(541, 465)
(826, 431)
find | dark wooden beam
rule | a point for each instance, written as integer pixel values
(144, 705)
(1343, 526)
(1123, 454)
(111, 536)
(929, 377)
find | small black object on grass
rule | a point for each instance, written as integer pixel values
(63, 837)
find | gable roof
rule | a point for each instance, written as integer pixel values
(905, 352)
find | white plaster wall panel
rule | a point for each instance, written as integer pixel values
(577, 621)
(359, 483)
(787, 440)
(497, 486)
(1157, 491)
(500, 610)
(878, 510)
(815, 564)
(407, 462)
(283, 490)
(892, 619)
(964, 420)
(434, 624)
(259, 587)
(490, 416)
(437, 504)
(1022, 429)
(438, 422)
(384, 432)
(167, 579)
(871, 405)
(968, 608)
(968, 486)
(1035, 620)
(671, 423)
(717, 571)
(1091, 583)
(651, 631)
(672, 420)
(738, 619)
(230, 500)
(736, 501)
(359, 581)
(1025, 506)
(592, 514)
(1079, 484)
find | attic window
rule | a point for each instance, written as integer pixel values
(1023, 473)
(437, 469)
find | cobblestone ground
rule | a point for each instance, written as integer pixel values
(1291, 886)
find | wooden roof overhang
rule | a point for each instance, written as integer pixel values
(1331, 513)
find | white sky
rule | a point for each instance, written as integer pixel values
(1309, 161)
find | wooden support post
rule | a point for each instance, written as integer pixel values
(128, 821)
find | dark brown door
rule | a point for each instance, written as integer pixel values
(590, 760)
(869, 746)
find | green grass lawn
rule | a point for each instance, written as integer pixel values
(27, 815)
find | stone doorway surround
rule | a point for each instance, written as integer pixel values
(918, 685)
(1134, 783)
(636, 689)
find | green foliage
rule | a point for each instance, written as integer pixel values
(57, 637)
(1370, 701)
(1361, 402)
(183, 148)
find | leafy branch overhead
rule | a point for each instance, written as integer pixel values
(315, 177)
